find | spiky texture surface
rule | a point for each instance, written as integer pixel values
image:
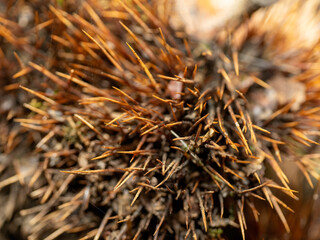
(144, 133)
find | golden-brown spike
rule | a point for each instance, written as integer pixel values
(204, 218)
(153, 82)
(235, 62)
(108, 55)
(39, 95)
(89, 125)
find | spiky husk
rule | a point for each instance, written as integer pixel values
(146, 133)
